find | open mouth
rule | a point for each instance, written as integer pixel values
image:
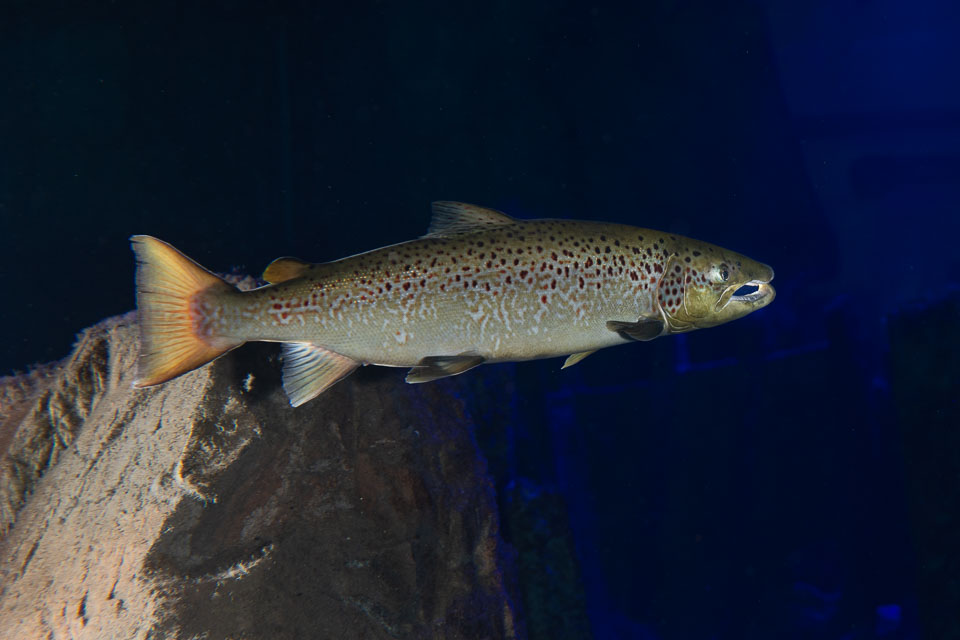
(752, 291)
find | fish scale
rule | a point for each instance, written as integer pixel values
(533, 291)
(479, 287)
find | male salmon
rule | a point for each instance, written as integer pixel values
(479, 287)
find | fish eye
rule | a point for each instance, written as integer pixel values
(723, 272)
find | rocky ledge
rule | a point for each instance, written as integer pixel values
(208, 507)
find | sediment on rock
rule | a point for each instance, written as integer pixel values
(208, 507)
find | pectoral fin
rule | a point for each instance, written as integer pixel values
(574, 358)
(434, 367)
(643, 329)
(309, 370)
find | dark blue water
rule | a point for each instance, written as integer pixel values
(763, 479)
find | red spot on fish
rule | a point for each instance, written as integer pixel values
(543, 299)
(278, 306)
(508, 280)
(406, 286)
(523, 274)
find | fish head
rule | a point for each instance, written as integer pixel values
(704, 286)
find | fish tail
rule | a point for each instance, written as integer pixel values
(172, 338)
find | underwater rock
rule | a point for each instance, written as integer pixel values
(208, 507)
(554, 601)
(925, 377)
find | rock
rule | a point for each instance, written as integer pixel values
(925, 383)
(208, 507)
(547, 567)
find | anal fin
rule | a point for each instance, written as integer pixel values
(643, 329)
(309, 370)
(574, 358)
(435, 367)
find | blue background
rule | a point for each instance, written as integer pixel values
(743, 482)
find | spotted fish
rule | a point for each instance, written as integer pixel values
(479, 287)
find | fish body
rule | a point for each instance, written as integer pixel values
(479, 287)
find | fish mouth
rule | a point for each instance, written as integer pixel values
(756, 294)
(753, 291)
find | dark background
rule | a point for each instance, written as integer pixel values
(756, 480)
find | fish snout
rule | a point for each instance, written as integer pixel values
(766, 273)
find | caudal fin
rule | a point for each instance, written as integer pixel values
(167, 284)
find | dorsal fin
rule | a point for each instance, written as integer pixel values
(451, 218)
(283, 269)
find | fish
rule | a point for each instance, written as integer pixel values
(480, 287)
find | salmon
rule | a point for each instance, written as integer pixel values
(479, 287)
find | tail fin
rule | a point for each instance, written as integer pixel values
(167, 283)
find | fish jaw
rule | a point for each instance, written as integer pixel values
(706, 286)
(731, 306)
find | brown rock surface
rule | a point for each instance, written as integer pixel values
(208, 507)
